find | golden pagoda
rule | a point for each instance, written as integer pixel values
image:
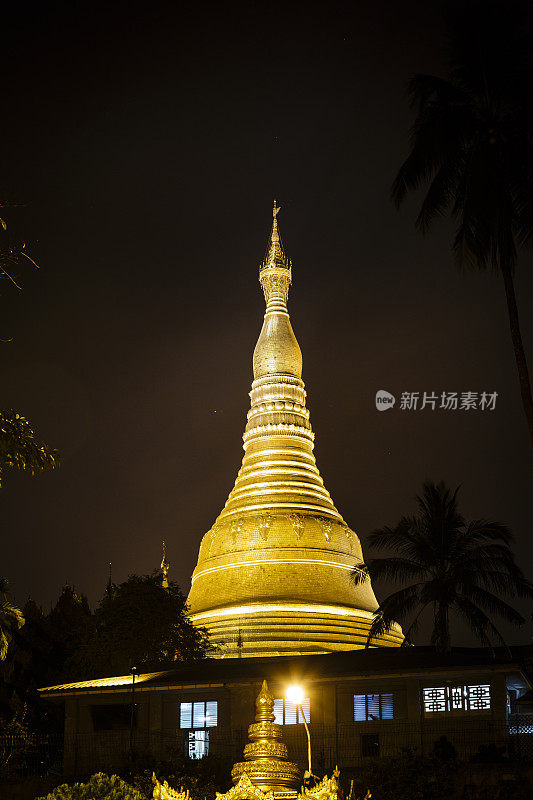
(273, 573)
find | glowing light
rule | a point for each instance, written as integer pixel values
(295, 694)
(261, 562)
(239, 611)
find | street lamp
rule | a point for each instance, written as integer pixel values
(295, 694)
(133, 672)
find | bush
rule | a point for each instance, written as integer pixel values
(99, 787)
(202, 777)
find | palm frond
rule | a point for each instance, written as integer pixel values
(439, 196)
(489, 601)
(425, 88)
(11, 619)
(359, 574)
(379, 627)
(397, 538)
(478, 621)
(395, 568)
(415, 624)
(395, 607)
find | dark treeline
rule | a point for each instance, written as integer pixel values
(137, 622)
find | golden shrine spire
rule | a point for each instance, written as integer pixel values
(165, 566)
(276, 263)
(273, 573)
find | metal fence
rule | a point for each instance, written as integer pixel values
(347, 745)
(31, 754)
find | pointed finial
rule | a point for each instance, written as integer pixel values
(165, 566)
(109, 587)
(264, 704)
(274, 238)
(275, 271)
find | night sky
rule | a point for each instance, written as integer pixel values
(149, 142)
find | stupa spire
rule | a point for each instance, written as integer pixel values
(277, 352)
(275, 257)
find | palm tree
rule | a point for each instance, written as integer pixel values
(472, 142)
(456, 567)
(11, 619)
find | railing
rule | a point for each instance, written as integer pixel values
(27, 754)
(349, 745)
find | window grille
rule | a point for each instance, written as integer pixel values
(198, 744)
(185, 715)
(470, 697)
(201, 714)
(371, 707)
(287, 713)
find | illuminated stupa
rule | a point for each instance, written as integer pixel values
(273, 573)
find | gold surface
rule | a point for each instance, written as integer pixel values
(327, 789)
(276, 564)
(162, 791)
(244, 789)
(267, 763)
(106, 683)
(165, 566)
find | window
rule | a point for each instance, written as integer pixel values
(195, 719)
(286, 713)
(370, 745)
(203, 714)
(370, 707)
(472, 697)
(113, 717)
(197, 744)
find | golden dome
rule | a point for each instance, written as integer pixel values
(273, 573)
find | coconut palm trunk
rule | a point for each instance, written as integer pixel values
(518, 346)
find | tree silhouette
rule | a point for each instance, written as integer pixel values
(457, 567)
(472, 142)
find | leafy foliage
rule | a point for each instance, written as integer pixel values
(457, 567)
(20, 449)
(98, 787)
(472, 146)
(138, 622)
(11, 619)
(404, 778)
(201, 777)
(37, 655)
(13, 252)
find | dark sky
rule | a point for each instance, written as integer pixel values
(149, 141)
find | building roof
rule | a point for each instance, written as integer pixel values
(356, 664)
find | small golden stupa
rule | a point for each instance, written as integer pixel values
(273, 573)
(267, 764)
(266, 774)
